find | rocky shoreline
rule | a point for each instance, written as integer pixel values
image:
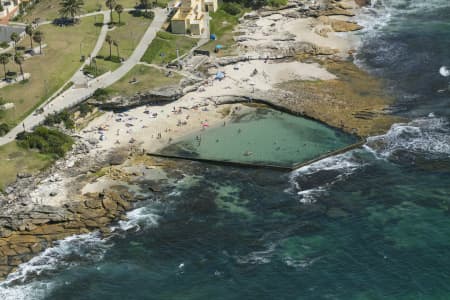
(39, 210)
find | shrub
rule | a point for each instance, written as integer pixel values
(62, 117)
(136, 13)
(232, 8)
(148, 14)
(4, 129)
(4, 45)
(85, 109)
(100, 94)
(114, 59)
(48, 141)
(276, 3)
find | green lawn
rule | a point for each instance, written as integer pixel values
(48, 9)
(92, 5)
(222, 25)
(163, 48)
(128, 35)
(49, 72)
(15, 159)
(147, 78)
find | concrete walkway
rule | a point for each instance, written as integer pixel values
(73, 96)
(79, 77)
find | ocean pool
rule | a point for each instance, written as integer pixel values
(262, 136)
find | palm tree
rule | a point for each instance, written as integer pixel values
(29, 31)
(119, 10)
(144, 4)
(38, 36)
(116, 44)
(15, 38)
(18, 59)
(109, 40)
(70, 8)
(94, 62)
(111, 4)
(4, 59)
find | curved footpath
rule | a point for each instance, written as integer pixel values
(74, 96)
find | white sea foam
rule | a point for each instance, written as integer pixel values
(444, 71)
(28, 282)
(300, 263)
(140, 219)
(381, 12)
(258, 257)
(425, 135)
(344, 164)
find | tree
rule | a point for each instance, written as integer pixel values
(111, 4)
(70, 8)
(38, 36)
(94, 62)
(116, 44)
(109, 40)
(144, 4)
(18, 59)
(4, 59)
(119, 10)
(15, 38)
(29, 31)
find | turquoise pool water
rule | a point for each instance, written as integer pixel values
(263, 136)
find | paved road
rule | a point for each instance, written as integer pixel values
(74, 96)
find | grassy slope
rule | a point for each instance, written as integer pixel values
(147, 79)
(128, 35)
(50, 71)
(15, 160)
(167, 43)
(222, 25)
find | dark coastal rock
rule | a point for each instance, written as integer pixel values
(23, 175)
(118, 158)
(229, 60)
(251, 16)
(363, 2)
(166, 94)
(35, 228)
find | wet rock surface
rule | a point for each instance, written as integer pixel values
(26, 232)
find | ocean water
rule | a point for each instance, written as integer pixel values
(287, 140)
(372, 223)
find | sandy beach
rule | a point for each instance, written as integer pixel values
(148, 129)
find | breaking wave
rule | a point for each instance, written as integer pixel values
(140, 219)
(29, 281)
(312, 180)
(429, 135)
